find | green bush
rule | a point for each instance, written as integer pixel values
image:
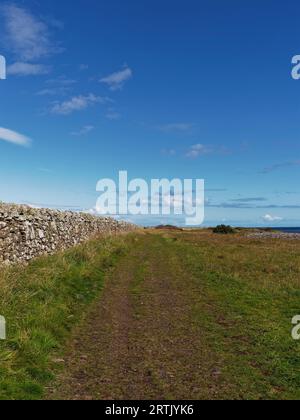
(224, 230)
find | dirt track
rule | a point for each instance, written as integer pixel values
(140, 340)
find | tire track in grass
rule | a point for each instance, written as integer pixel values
(140, 341)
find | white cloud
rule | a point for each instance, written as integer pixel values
(32, 206)
(60, 91)
(84, 131)
(60, 86)
(116, 81)
(269, 218)
(25, 35)
(168, 152)
(27, 69)
(112, 115)
(201, 149)
(83, 67)
(14, 137)
(93, 211)
(279, 166)
(61, 81)
(77, 103)
(198, 150)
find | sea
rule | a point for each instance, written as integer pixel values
(287, 229)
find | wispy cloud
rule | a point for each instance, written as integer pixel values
(216, 189)
(243, 206)
(248, 199)
(72, 207)
(27, 37)
(61, 81)
(112, 115)
(199, 149)
(116, 81)
(84, 131)
(27, 69)
(168, 152)
(83, 67)
(78, 103)
(179, 127)
(279, 166)
(57, 87)
(58, 91)
(269, 218)
(11, 136)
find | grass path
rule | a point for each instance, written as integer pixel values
(140, 341)
(154, 315)
(167, 328)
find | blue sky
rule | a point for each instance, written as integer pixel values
(161, 88)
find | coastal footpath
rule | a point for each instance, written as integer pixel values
(26, 232)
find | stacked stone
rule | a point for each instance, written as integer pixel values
(26, 233)
(275, 235)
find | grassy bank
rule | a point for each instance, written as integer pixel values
(245, 294)
(42, 303)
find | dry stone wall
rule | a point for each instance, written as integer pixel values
(26, 233)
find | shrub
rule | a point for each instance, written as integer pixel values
(223, 229)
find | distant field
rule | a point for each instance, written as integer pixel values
(155, 315)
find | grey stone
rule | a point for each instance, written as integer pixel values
(26, 233)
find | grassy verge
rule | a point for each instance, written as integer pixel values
(42, 303)
(245, 293)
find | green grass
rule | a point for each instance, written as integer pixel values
(245, 295)
(42, 303)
